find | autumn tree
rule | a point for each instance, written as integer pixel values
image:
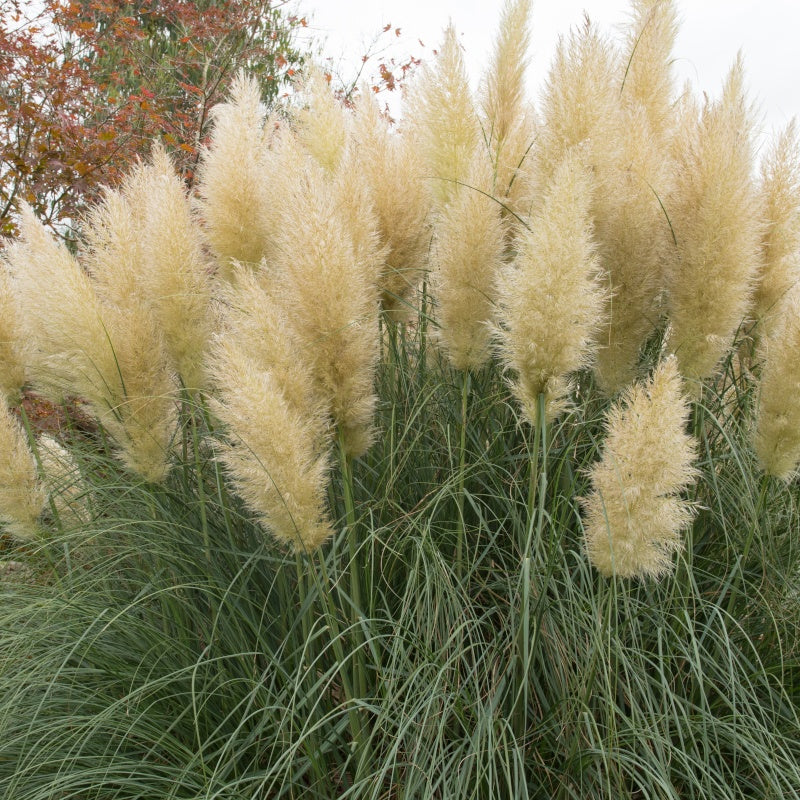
(86, 85)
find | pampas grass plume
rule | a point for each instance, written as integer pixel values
(715, 216)
(503, 89)
(580, 104)
(61, 315)
(647, 59)
(258, 326)
(111, 355)
(780, 202)
(550, 298)
(467, 255)
(142, 419)
(354, 201)
(12, 356)
(234, 179)
(62, 477)
(442, 119)
(326, 276)
(633, 180)
(113, 253)
(273, 453)
(393, 171)
(508, 120)
(174, 273)
(635, 514)
(777, 432)
(634, 240)
(321, 124)
(22, 496)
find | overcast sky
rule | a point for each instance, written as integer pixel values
(712, 31)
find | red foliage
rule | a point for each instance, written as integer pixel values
(86, 85)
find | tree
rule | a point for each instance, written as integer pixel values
(86, 85)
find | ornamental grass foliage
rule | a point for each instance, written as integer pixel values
(447, 458)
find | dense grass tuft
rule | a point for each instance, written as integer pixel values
(169, 649)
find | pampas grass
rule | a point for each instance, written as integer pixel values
(443, 121)
(635, 513)
(321, 123)
(776, 436)
(580, 103)
(236, 200)
(634, 243)
(715, 215)
(551, 299)
(467, 253)
(329, 285)
(647, 79)
(780, 204)
(174, 272)
(12, 359)
(67, 492)
(272, 452)
(112, 356)
(22, 495)
(393, 171)
(507, 120)
(344, 564)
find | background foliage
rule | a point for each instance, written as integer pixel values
(86, 85)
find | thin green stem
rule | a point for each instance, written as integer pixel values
(754, 530)
(354, 718)
(537, 489)
(541, 425)
(462, 459)
(393, 356)
(201, 492)
(308, 655)
(355, 565)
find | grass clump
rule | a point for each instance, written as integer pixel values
(340, 562)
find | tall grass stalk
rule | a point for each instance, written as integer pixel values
(462, 465)
(533, 530)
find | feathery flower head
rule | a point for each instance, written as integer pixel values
(442, 119)
(715, 216)
(401, 200)
(234, 178)
(22, 496)
(142, 418)
(503, 87)
(550, 298)
(648, 81)
(634, 242)
(113, 255)
(467, 253)
(111, 355)
(173, 272)
(634, 516)
(776, 437)
(12, 349)
(61, 316)
(257, 325)
(273, 453)
(325, 278)
(321, 124)
(580, 103)
(780, 203)
(61, 475)
(508, 121)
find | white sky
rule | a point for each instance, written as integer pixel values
(711, 33)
